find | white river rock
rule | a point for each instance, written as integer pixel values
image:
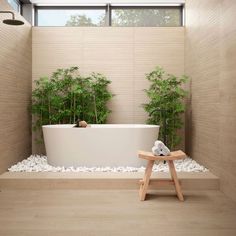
(38, 163)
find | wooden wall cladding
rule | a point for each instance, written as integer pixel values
(124, 55)
(210, 55)
(15, 91)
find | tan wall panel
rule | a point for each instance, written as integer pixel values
(15, 91)
(124, 55)
(210, 55)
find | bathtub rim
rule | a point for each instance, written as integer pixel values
(106, 126)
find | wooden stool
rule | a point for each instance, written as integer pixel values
(151, 159)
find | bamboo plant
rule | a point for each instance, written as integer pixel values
(166, 104)
(66, 96)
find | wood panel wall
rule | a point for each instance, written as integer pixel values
(15, 91)
(210, 55)
(124, 55)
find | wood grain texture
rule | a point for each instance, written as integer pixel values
(102, 180)
(145, 181)
(210, 55)
(176, 180)
(176, 155)
(15, 91)
(124, 55)
(116, 213)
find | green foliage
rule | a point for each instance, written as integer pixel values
(166, 104)
(146, 17)
(130, 17)
(83, 20)
(67, 95)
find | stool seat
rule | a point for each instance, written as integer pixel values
(144, 183)
(177, 155)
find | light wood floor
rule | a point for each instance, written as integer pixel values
(114, 212)
(101, 180)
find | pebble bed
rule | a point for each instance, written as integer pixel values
(38, 163)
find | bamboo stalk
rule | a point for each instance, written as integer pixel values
(74, 107)
(71, 105)
(49, 110)
(95, 108)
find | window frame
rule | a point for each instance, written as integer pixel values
(65, 8)
(108, 12)
(180, 8)
(19, 3)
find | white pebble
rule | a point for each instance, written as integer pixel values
(37, 163)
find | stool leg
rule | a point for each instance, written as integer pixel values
(144, 186)
(176, 181)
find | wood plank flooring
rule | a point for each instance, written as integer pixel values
(115, 212)
(102, 180)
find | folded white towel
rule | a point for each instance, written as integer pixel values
(160, 149)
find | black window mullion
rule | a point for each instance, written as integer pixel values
(108, 10)
(180, 8)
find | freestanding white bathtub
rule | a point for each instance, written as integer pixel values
(99, 145)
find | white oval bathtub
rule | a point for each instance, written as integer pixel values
(99, 145)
